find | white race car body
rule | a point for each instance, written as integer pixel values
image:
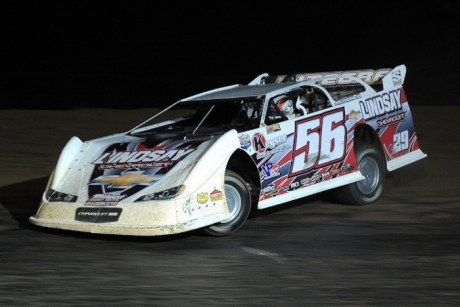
(176, 175)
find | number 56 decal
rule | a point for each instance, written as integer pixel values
(319, 141)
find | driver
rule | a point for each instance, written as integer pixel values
(286, 105)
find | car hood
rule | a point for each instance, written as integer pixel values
(122, 168)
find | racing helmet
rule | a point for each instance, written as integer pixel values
(286, 105)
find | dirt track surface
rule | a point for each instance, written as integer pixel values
(403, 250)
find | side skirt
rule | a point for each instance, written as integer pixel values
(406, 159)
(314, 189)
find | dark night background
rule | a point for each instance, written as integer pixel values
(136, 54)
(90, 68)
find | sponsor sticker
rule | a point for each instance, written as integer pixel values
(105, 199)
(202, 197)
(396, 77)
(245, 141)
(391, 120)
(97, 215)
(269, 190)
(125, 179)
(273, 128)
(381, 104)
(346, 99)
(354, 114)
(342, 77)
(216, 195)
(265, 147)
(269, 170)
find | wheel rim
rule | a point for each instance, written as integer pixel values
(370, 170)
(233, 202)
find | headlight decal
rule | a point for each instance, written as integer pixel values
(163, 195)
(56, 196)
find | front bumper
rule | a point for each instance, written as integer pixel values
(139, 219)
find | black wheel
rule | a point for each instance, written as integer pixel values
(238, 199)
(373, 167)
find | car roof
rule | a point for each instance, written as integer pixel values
(237, 92)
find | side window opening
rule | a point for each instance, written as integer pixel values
(345, 91)
(250, 115)
(315, 100)
(274, 114)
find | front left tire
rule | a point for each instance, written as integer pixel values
(238, 199)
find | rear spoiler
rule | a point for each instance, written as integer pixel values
(395, 77)
(386, 76)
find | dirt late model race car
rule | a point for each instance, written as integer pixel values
(205, 161)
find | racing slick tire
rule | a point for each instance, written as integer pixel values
(372, 165)
(238, 199)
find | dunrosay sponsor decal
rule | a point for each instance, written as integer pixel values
(381, 104)
(141, 159)
(122, 170)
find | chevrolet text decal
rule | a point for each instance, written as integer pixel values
(143, 156)
(381, 104)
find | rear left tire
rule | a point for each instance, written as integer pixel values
(372, 165)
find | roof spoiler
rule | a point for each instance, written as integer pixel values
(333, 78)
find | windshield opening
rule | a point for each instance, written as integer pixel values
(198, 117)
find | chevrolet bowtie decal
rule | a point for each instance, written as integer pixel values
(125, 180)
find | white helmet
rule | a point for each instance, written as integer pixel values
(286, 105)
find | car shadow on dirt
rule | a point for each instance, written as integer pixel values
(22, 201)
